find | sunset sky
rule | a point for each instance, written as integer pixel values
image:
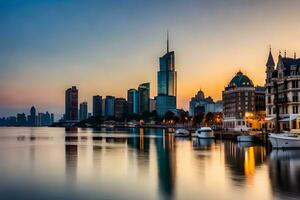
(107, 47)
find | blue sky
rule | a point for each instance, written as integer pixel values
(107, 47)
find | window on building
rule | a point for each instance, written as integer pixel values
(294, 84)
(270, 111)
(293, 70)
(269, 99)
(295, 97)
(295, 109)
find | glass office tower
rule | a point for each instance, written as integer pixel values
(166, 83)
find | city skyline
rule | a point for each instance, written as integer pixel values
(84, 47)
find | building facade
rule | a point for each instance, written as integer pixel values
(144, 97)
(201, 104)
(109, 106)
(165, 103)
(282, 93)
(152, 106)
(71, 104)
(166, 83)
(32, 117)
(133, 101)
(97, 106)
(239, 104)
(83, 111)
(120, 108)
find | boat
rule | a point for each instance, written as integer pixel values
(245, 138)
(181, 133)
(284, 140)
(205, 133)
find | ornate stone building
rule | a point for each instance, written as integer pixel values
(243, 104)
(282, 86)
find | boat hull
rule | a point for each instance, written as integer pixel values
(281, 141)
(181, 133)
(205, 135)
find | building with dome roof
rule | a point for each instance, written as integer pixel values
(241, 103)
(201, 104)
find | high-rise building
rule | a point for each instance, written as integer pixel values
(165, 103)
(44, 119)
(109, 106)
(21, 119)
(52, 118)
(32, 117)
(167, 76)
(71, 104)
(97, 106)
(166, 83)
(144, 97)
(83, 111)
(133, 101)
(120, 108)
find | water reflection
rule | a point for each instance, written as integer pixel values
(285, 171)
(243, 160)
(143, 164)
(202, 144)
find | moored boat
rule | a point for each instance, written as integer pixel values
(284, 140)
(205, 133)
(181, 133)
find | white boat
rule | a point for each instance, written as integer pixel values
(284, 140)
(205, 133)
(245, 138)
(181, 133)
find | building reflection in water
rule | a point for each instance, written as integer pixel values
(242, 159)
(71, 155)
(166, 160)
(165, 154)
(284, 171)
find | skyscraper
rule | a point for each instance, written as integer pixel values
(97, 106)
(166, 83)
(144, 97)
(133, 101)
(71, 104)
(32, 117)
(83, 111)
(167, 76)
(109, 106)
(52, 118)
(120, 108)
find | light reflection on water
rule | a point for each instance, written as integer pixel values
(57, 163)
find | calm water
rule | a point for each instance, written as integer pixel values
(54, 163)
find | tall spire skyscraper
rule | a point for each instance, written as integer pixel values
(166, 82)
(167, 41)
(167, 76)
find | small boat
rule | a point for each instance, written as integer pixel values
(181, 133)
(205, 133)
(245, 138)
(284, 140)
